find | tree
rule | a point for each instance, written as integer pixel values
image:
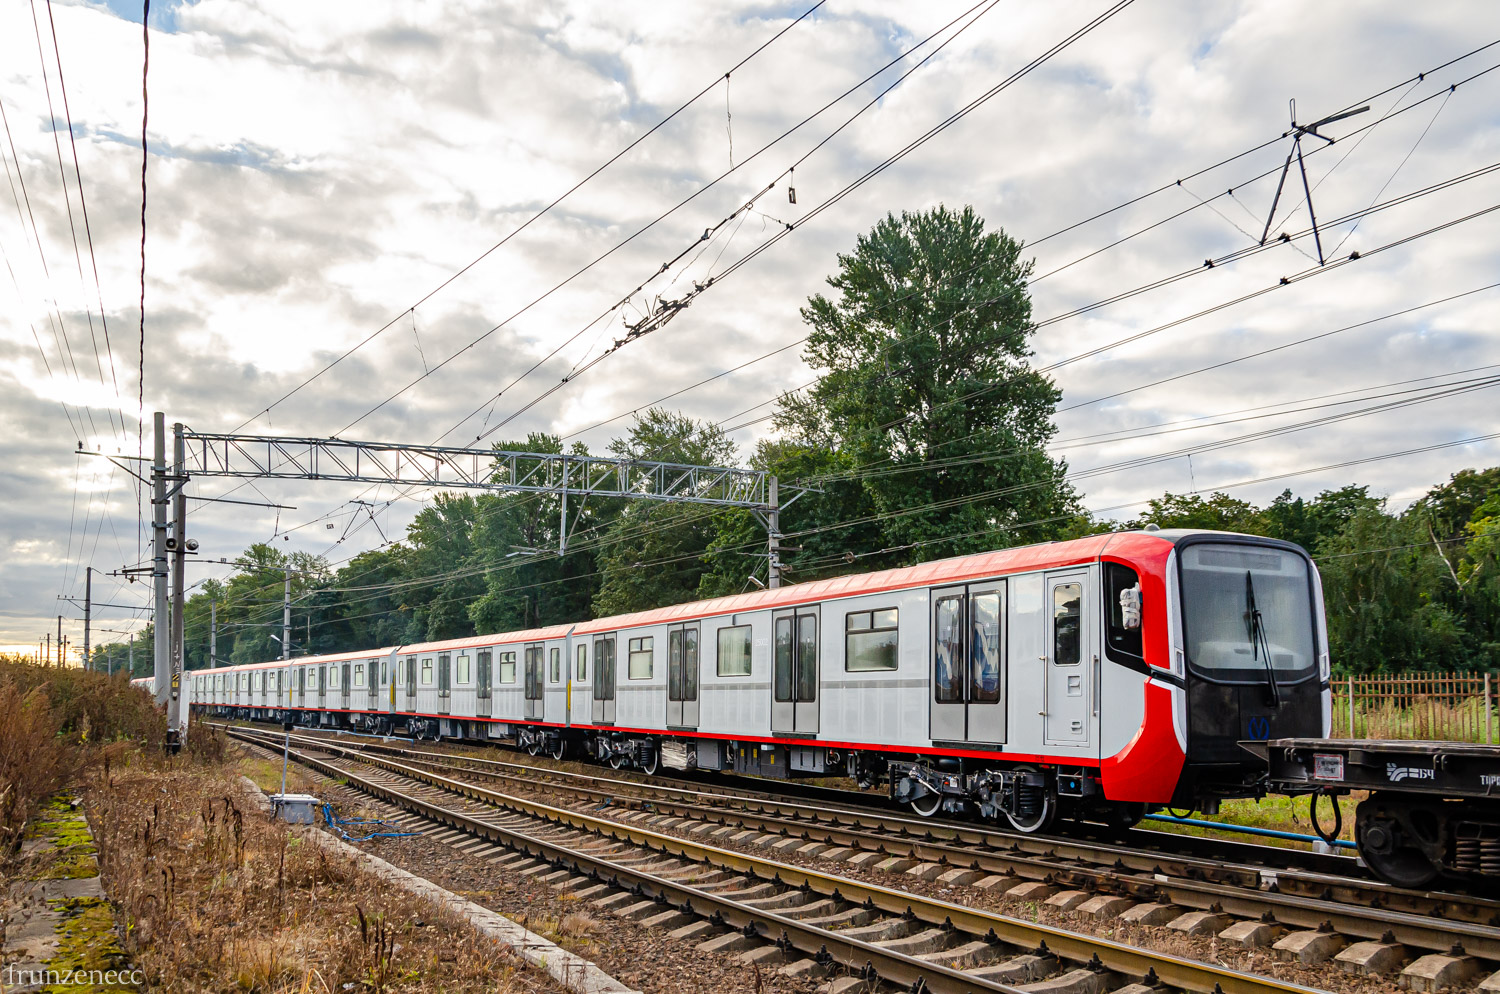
(821, 546)
(652, 554)
(927, 387)
(532, 590)
(1217, 512)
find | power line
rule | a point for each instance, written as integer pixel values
(83, 203)
(631, 238)
(63, 177)
(539, 214)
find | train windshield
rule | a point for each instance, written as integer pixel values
(1243, 605)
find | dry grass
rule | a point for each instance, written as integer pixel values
(54, 724)
(215, 897)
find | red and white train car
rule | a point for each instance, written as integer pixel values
(1099, 676)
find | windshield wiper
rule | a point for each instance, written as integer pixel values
(1258, 640)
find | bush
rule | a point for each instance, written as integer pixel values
(54, 724)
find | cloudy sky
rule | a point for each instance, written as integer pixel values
(317, 170)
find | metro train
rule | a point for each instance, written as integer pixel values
(1096, 678)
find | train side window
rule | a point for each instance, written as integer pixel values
(807, 657)
(582, 671)
(359, 674)
(507, 667)
(985, 646)
(734, 651)
(556, 660)
(1067, 624)
(1122, 604)
(784, 658)
(870, 641)
(642, 656)
(427, 672)
(463, 669)
(384, 672)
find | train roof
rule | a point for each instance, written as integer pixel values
(939, 572)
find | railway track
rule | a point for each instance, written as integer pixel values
(1355, 909)
(854, 932)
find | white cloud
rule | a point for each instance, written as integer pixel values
(320, 167)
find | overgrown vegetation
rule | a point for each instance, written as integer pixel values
(925, 436)
(215, 896)
(55, 724)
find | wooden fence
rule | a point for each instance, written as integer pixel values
(1453, 707)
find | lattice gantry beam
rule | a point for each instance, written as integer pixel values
(274, 457)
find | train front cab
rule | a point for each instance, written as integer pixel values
(1251, 645)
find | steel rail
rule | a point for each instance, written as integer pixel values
(1356, 908)
(1108, 955)
(1349, 917)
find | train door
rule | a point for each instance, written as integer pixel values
(322, 685)
(411, 683)
(344, 685)
(682, 677)
(484, 682)
(302, 686)
(794, 686)
(1068, 708)
(372, 684)
(604, 680)
(445, 683)
(581, 681)
(535, 681)
(968, 672)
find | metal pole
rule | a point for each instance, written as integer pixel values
(179, 568)
(1351, 707)
(88, 596)
(773, 533)
(61, 659)
(47, 649)
(1489, 729)
(161, 619)
(286, 616)
(213, 633)
(109, 660)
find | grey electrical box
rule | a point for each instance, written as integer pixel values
(295, 809)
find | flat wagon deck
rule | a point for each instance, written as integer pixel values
(1433, 809)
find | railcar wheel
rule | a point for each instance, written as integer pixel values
(928, 806)
(617, 761)
(533, 748)
(652, 763)
(1396, 840)
(1039, 810)
(561, 749)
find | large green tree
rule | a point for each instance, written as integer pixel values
(927, 388)
(652, 554)
(526, 585)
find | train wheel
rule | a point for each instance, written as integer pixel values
(617, 761)
(1042, 809)
(1394, 841)
(652, 763)
(533, 748)
(928, 805)
(561, 749)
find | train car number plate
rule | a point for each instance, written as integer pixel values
(1328, 766)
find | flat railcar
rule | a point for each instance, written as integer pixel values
(1433, 809)
(1097, 677)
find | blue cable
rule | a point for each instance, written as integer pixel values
(1246, 829)
(337, 824)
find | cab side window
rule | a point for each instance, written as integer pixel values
(1122, 613)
